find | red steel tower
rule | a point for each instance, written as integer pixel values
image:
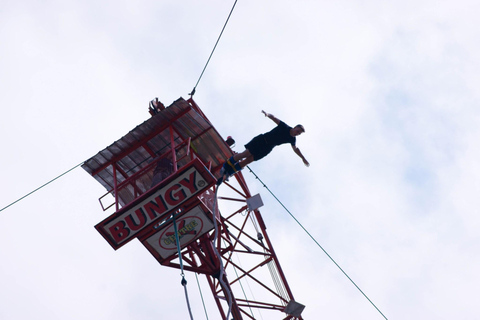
(161, 179)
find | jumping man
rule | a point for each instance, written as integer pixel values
(263, 144)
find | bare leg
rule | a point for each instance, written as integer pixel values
(242, 155)
(246, 161)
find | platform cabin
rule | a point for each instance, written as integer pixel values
(165, 165)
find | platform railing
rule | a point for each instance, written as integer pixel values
(141, 181)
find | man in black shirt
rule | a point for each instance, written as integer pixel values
(263, 144)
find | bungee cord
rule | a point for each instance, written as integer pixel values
(222, 268)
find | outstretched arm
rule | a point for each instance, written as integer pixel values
(272, 117)
(297, 151)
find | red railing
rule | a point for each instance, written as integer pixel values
(141, 181)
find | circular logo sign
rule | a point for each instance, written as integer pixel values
(188, 229)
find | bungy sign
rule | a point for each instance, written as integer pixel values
(190, 226)
(122, 227)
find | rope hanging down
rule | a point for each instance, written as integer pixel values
(201, 296)
(184, 281)
(211, 54)
(318, 244)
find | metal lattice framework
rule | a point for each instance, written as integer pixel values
(182, 136)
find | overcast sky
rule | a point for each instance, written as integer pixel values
(389, 96)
